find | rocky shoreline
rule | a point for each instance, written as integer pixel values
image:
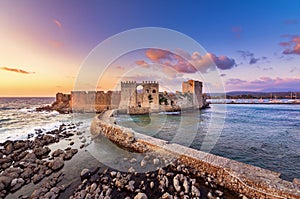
(31, 161)
(56, 164)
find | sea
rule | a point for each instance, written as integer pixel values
(264, 135)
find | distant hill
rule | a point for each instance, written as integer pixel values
(252, 94)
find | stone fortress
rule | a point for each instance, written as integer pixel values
(134, 98)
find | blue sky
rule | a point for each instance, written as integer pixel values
(50, 39)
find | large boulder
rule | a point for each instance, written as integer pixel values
(41, 152)
(56, 164)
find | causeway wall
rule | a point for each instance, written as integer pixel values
(251, 181)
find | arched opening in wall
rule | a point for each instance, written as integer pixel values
(147, 90)
(139, 104)
(153, 91)
(150, 98)
(139, 89)
(172, 103)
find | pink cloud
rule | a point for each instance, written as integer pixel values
(294, 47)
(141, 63)
(57, 23)
(284, 44)
(237, 30)
(16, 70)
(55, 44)
(190, 63)
(157, 54)
(264, 84)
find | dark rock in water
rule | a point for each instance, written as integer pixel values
(8, 146)
(141, 196)
(57, 152)
(37, 178)
(69, 154)
(21, 144)
(16, 184)
(30, 158)
(56, 164)
(12, 172)
(85, 174)
(5, 180)
(41, 152)
(5, 162)
(27, 173)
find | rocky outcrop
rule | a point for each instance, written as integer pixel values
(25, 161)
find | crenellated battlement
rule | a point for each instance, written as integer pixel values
(133, 98)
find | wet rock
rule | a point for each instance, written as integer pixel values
(27, 173)
(41, 152)
(12, 172)
(209, 195)
(5, 180)
(176, 183)
(131, 170)
(9, 148)
(186, 185)
(30, 157)
(219, 193)
(85, 174)
(156, 161)
(141, 196)
(70, 153)
(57, 153)
(195, 191)
(151, 185)
(130, 186)
(166, 196)
(16, 184)
(37, 178)
(143, 163)
(56, 164)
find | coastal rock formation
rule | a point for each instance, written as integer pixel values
(25, 161)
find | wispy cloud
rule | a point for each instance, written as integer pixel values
(237, 31)
(55, 44)
(291, 21)
(294, 44)
(16, 70)
(265, 84)
(249, 57)
(57, 23)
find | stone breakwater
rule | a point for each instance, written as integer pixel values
(240, 178)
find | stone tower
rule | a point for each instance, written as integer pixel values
(148, 98)
(150, 95)
(128, 94)
(194, 87)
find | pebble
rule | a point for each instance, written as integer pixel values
(141, 196)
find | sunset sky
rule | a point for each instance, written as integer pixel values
(255, 44)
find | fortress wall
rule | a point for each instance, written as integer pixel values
(128, 94)
(78, 101)
(254, 182)
(115, 99)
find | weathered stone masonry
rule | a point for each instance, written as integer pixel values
(131, 100)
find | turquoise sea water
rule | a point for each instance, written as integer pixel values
(267, 136)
